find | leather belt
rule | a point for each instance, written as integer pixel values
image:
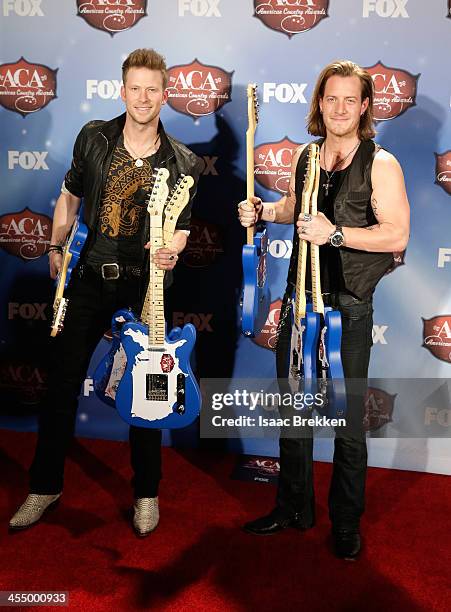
(113, 271)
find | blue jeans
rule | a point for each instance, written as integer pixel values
(295, 493)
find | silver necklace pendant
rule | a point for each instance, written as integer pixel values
(139, 162)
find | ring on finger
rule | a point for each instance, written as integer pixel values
(307, 217)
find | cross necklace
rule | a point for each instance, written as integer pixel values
(327, 185)
(138, 161)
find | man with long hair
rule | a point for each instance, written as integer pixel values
(111, 170)
(363, 218)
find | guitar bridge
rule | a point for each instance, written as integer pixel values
(157, 387)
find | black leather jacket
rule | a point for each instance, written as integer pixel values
(93, 151)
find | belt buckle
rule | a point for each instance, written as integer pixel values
(110, 271)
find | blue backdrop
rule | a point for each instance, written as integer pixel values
(60, 67)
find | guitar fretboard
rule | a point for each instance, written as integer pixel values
(300, 303)
(153, 308)
(317, 298)
(250, 144)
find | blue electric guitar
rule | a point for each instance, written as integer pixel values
(71, 254)
(111, 367)
(158, 388)
(327, 348)
(302, 359)
(256, 296)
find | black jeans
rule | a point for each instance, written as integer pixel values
(92, 302)
(295, 493)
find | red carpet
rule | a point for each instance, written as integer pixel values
(198, 559)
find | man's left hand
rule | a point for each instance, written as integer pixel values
(165, 259)
(314, 228)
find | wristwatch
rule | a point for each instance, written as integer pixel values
(337, 238)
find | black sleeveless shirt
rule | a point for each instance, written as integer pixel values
(348, 205)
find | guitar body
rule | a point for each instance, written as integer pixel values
(71, 255)
(256, 293)
(301, 360)
(158, 389)
(312, 329)
(334, 371)
(111, 367)
(75, 247)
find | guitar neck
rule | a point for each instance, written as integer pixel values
(317, 298)
(67, 256)
(250, 178)
(153, 309)
(300, 303)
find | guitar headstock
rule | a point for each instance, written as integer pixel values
(59, 312)
(159, 192)
(179, 196)
(252, 106)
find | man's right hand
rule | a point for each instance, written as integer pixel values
(250, 211)
(55, 263)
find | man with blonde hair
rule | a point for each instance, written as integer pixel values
(111, 170)
(363, 218)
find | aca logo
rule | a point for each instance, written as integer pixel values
(395, 91)
(443, 170)
(272, 164)
(203, 246)
(112, 16)
(437, 336)
(25, 234)
(267, 338)
(379, 407)
(197, 89)
(263, 465)
(26, 88)
(291, 16)
(27, 381)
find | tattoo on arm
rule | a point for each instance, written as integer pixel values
(374, 206)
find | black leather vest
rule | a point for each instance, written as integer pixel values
(352, 208)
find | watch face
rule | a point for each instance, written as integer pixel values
(337, 239)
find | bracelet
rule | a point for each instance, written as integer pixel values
(55, 247)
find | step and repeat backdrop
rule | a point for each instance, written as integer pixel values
(60, 66)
